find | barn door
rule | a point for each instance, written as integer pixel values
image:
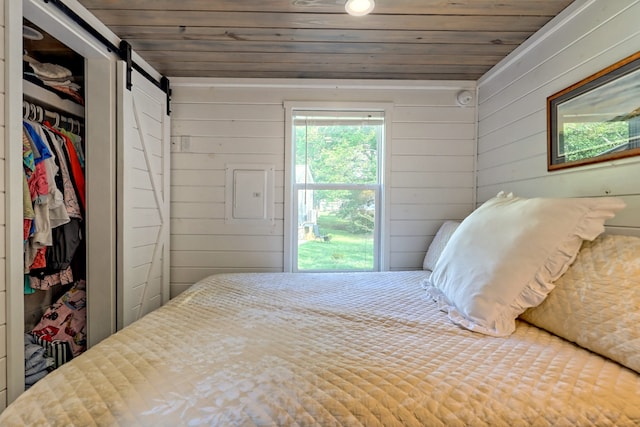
(143, 198)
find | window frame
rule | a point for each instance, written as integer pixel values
(381, 233)
(593, 97)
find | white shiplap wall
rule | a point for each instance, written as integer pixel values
(512, 131)
(217, 122)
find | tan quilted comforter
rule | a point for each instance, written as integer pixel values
(326, 349)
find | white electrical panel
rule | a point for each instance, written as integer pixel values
(249, 194)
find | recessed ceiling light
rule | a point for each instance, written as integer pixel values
(359, 7)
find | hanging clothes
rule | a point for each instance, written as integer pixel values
(76, 140)
(67, 181)
(36, 175)
(56, 192)
(74, 163)
(58, 214)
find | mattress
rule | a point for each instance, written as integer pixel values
(352, 349)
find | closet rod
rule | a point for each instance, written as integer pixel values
(162, 84)
(37, 113)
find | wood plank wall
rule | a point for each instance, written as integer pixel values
(3, 293)
(512, 137)
(215, 122)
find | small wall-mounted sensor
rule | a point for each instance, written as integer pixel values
(464, 97)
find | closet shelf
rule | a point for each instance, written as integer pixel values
(49, 99)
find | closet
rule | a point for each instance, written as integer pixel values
(54, 203)
(62, 85)
(117, 112)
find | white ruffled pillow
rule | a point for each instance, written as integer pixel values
(596, 303)
(438, 243)
(505, 256)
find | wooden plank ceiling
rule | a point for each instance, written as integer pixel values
(401, 39)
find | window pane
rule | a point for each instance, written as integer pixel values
(336, 229)
(337, 151)
(337, 182)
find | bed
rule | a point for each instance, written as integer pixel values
(359, 349)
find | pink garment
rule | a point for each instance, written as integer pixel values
(66, 319)
(69, 91)
(63, 277)
(38, 184)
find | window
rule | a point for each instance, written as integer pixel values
(336, 189)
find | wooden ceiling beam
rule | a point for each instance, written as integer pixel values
(434, 7)
(316, 35)
(487, 22)
(326, 48)
(317, 58)
(168, 66)
(292, 74)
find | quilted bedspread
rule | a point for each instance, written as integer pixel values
(352, 349)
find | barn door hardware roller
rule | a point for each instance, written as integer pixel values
(125, 54)
(124, 51)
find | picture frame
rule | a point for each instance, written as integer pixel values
(596, 119)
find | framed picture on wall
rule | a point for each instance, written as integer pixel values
(596, 119)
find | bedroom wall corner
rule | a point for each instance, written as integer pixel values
(3, 293)
(512, 129)
(225, 121)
